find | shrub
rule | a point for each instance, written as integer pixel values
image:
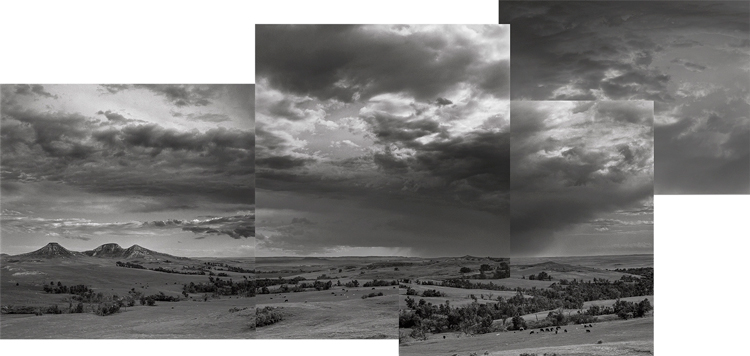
(432, 293)
(581, 319)
(267, 316)
(518, 322)
(104, 309)
(372, 295)
(544, 323)
(53, 309)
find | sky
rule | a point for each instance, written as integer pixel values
(167, 167)
(382, 140)
(691, 58)
(582, 175)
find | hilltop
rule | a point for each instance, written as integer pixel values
(51, 250)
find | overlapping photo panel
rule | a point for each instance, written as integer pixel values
(382, 167)
(127, 211)
(689, 57)
(582, 175)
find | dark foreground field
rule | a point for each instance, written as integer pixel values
(610, 334)
(621, 337)
(197, 315)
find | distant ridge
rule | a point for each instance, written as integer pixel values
(109, 250)
(136, 251)
(52, 250)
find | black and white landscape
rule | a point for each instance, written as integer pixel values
(689, 57)
(127, 211)
(382, 154)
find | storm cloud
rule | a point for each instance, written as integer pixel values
(579, 169)
(689, 57)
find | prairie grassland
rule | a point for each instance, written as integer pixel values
(22, 281)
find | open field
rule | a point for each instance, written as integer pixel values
(324, 316)
(176, 320)
(335, 313)
(197, 315)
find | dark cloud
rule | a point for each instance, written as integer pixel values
(116, 118)
(280, 162)
(390, 164)
(209, 117)
(442, 101)
(621, 50)
(302, 221)
(236, 227)
(33, 89)
(625, 112)
(689, 65)
(128, 159)
(389, 128)
(75, 237)
(348, 62)
(183, 94)
(115, 88)
(180, 95)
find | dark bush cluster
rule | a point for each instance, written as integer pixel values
(227, 267)
(627, 310)
(267, 316)
(104, 309)
(63, 289)
(423, 317)
(268, 282)
(380, 283)
(129, 265)
(541, 276)
(371, 295)
(166, 270)
(218, 287)
(433, 293)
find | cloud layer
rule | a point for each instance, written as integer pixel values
(69, 148)
(690, 58)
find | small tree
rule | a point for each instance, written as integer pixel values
(518, 322)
